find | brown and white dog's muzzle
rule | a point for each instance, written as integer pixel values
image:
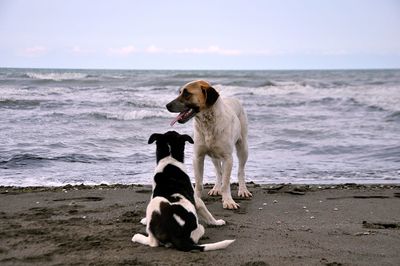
(194, 97)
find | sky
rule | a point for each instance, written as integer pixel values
(206, 34)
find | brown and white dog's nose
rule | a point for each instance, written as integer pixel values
(176, 106)
(169, 106)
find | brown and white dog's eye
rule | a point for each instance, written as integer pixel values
(186, 94)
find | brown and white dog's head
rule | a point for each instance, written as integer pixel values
(194, 97)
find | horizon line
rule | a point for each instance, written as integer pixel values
(203, 69)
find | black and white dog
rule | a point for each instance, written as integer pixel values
(171, 216)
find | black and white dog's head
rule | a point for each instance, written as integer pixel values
(170, 143)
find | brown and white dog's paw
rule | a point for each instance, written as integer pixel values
(214, 192)
(244, 193)
(230, 204)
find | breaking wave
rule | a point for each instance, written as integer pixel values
(133, 115)
(54, 76)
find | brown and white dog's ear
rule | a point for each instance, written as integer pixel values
(210, 94)
(154, 137)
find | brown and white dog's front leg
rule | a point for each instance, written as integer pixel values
(227, 200)
(216, 190)
(205, 214)
(198, 165)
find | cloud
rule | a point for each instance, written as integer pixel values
(34, 51)
(152, 49)
(264, 52)
(213, 49)
(122, 51)
(81, 51)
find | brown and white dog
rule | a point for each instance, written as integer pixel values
(220, 125)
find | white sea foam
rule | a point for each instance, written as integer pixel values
(57, 76)
(137, 115)
(385, 97)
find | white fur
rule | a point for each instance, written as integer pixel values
(179, 220)
(166, 161)
(197, 233)
(217, 130)
(218, 245)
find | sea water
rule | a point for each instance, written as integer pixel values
(70, 126)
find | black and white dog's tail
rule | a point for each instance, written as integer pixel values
(217, 245)
(204, 247)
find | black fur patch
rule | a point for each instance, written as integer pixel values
(173, 180)
(162, 150)
(211, 96)
(171, 143)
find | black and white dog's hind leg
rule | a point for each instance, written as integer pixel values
(177, 224)
(150, 240)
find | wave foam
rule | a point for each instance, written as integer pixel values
(56, 76)
(133, 115)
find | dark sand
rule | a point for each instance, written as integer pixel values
(281, 225)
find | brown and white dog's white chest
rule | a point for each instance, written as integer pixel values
(216, 131)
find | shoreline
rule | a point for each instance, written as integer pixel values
(306, 186)
(283, 224)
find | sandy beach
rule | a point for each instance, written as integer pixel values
(281, 225)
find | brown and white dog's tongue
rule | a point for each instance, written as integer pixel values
(176, 119)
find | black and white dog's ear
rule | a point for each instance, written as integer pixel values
(211, 95)
(154, 137)
(187, 138)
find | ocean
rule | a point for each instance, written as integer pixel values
(61, 127)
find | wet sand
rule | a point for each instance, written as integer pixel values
(281, 225)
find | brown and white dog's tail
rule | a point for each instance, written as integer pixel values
(217, 245)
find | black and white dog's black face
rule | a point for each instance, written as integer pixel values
(171, 216)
